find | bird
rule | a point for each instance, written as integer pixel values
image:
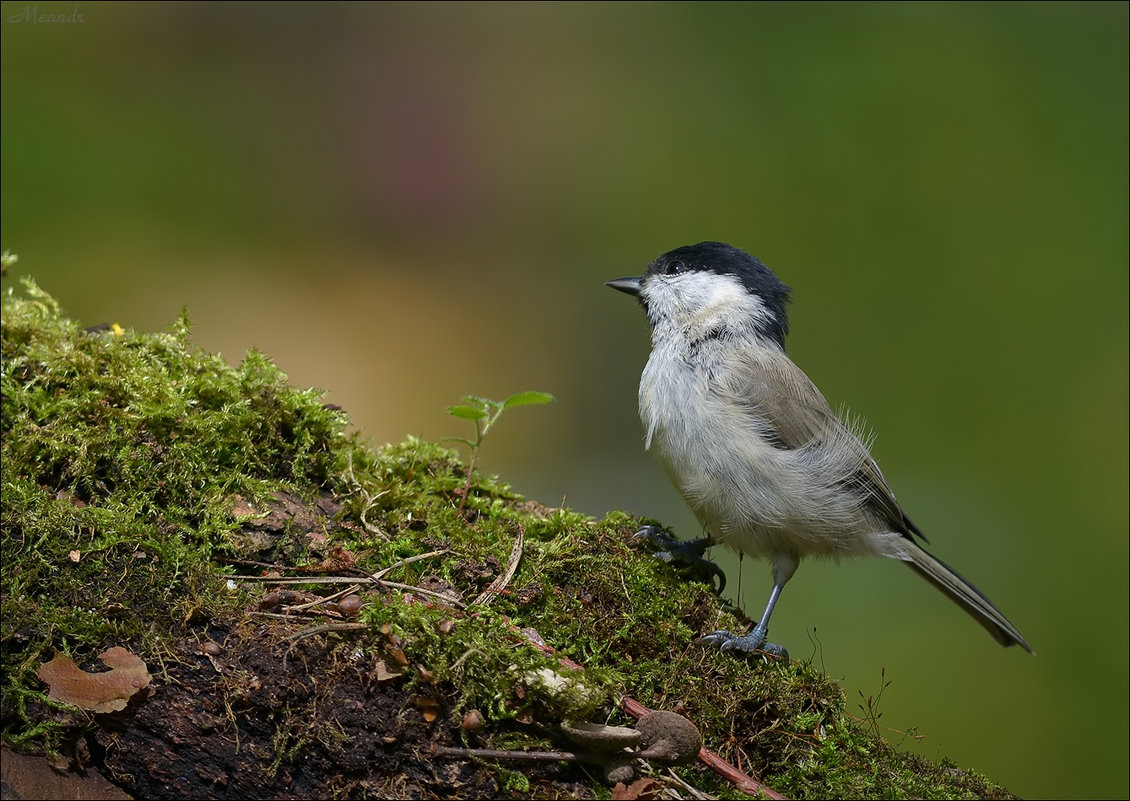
(753, 447)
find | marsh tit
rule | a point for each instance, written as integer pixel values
(751, 444)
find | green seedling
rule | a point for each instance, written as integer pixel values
(484, 413)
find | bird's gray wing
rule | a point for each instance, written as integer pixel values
(794, 414)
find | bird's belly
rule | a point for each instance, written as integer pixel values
(750, 495)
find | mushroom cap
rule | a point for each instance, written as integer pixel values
(668, 737)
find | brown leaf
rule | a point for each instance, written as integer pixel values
(386, 673)
(25, 776)
(397, 655)
(428, 708)
(639, 789)
(98, 692)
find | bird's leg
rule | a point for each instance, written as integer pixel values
(784, 565)
(686, 556)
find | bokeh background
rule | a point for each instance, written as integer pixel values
(407, 203)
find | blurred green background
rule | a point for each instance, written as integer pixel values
(408, 203)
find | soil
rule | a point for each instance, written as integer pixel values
(262, 720)
(242, 708)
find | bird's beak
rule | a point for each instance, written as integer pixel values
(629, 285)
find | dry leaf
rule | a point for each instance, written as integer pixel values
(24, 776)
(98, 692)
(397, 655)
(428, 708)
(386, 673)
(639, 789)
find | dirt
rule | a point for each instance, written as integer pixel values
(241, 708)
(260, 721)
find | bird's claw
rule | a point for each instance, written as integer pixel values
(748, 645)
(686, 556)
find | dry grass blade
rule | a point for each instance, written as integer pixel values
(500, 583)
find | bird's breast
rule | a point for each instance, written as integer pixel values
(747, 492)
(715, 456)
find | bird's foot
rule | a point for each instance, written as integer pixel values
(747, 645)
(686, 556)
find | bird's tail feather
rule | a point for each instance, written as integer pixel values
(965, 595)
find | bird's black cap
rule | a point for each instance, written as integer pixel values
(723, 259)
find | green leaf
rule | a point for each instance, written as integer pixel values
(482, 403)
(466, 412)
(527, 399)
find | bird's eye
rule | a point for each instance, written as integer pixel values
(674, 267)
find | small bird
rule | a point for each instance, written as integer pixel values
(751, 444)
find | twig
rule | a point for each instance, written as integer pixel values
(500, 583)
(326, 598)
(374, 577)
(308, 579)
(325, 628)
(380, 574)
(693, 791)
(300, 616)
(274, 616)
(490, 753)
(447, 599)
(228, 560)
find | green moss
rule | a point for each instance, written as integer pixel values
(123, 455)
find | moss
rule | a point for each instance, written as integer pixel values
(122, 453)
(127, 457)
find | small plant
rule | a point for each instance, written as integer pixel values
(871, 713)
(484, 413)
